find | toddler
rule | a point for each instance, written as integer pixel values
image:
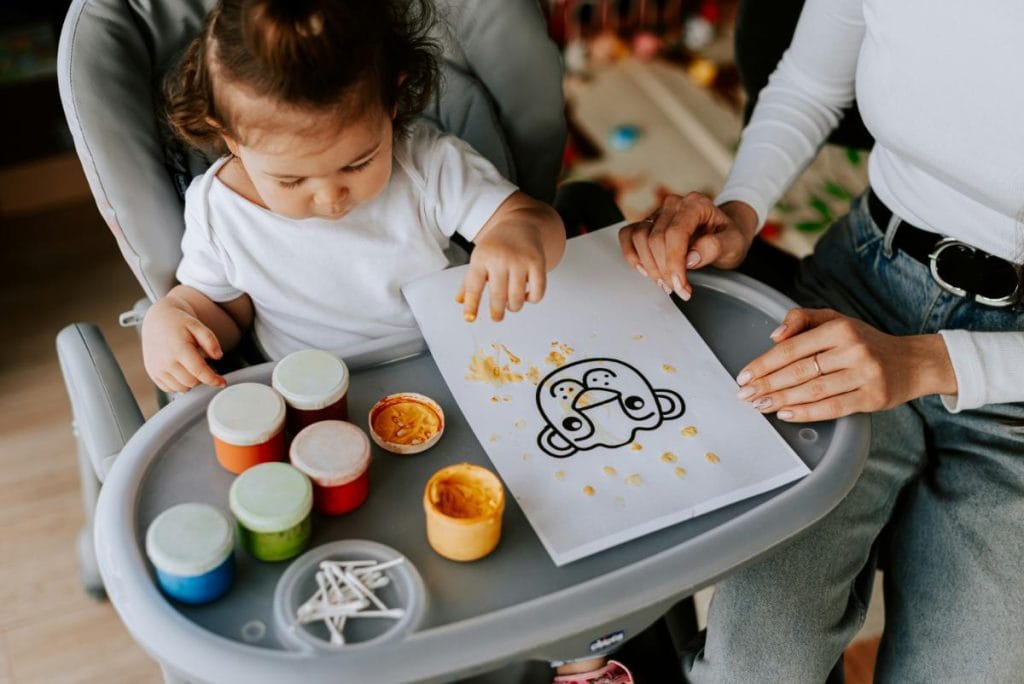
(329, 195)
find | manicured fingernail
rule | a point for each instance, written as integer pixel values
(785, 415)
(469, 316)
(686, 294)
(643, 271)
(677, 285)
(664, 287)
(692, 259)
(763, 403)
(746, 392)
(744, 377)
(778, 331)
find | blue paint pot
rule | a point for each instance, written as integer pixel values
(191, 547)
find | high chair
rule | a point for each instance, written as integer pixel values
(502, 93)
(112, 57)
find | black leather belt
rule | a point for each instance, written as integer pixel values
(956, 266)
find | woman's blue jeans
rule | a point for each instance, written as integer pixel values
(940, 505)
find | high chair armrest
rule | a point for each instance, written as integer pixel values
(104, 411)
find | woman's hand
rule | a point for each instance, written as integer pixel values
(175, 346)
(826, 365)
(512, 255)
(688, 232)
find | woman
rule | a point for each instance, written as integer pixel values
(917, 320)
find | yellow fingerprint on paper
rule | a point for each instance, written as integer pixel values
(609, 471)
(494, 437)
(680, 471)
(669, 457)
(559, 474)
(688, 431)
(533, 375)
(712, 457)
(667, 368)
(638, 337)
(589, 491)
(636, 446)
(635, 480)
(521, 423)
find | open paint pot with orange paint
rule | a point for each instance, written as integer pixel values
(406, 423)
(247, 424)
(464, 504)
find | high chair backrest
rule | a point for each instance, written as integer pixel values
(500, 91)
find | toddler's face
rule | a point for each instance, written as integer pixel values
(299, 172)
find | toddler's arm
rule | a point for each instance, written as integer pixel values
(185, 328)
(519, 244)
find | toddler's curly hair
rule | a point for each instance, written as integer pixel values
(324, 55)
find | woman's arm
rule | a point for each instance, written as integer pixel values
(826, 365)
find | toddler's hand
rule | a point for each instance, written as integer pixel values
(511, 263)
(175, 346)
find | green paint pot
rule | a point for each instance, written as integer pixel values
(272, 504)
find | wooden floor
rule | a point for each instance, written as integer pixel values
(58, 268)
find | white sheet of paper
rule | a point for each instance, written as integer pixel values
(603, 451)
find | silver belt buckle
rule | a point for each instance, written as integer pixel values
(933, 266)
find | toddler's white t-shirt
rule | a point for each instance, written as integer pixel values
(330, 284)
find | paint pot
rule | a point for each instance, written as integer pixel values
(272, 503)
(406, 423)
(247, 424)
(464, 504)
(314, 384)
(335, 455)
(191, 546)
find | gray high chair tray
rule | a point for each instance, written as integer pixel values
(512, 605)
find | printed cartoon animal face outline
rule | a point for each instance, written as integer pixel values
(599, 402)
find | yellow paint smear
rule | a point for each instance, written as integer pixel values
(668, 368)
(669, 457)
(680, 471)
(688, 431)
(712, 457)
(490, 369)
(589, 491)
(559, 474)
(634, 480)
(609, 471)
(636, 446)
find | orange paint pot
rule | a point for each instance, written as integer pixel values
(247, 424)
(335, 455)
(406, 423)
(314, 384)
(464, 504)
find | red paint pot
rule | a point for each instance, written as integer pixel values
(336, 457)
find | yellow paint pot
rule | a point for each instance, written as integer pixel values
(464, 504)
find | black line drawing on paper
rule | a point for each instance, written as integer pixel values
(599, 402)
